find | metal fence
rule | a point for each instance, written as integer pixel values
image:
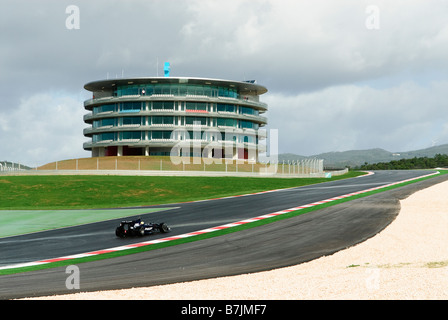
(304, 167)
(164, 166)
(9, 166)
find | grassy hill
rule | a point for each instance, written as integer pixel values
(356, 158)
(108, 191)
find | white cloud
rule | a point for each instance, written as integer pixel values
(43, 128)
(306, 46)
(400, 118)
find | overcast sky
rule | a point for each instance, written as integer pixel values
(341, 75)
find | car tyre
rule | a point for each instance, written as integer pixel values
(164, 228)
(119, 233)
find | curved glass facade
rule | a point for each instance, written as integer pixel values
(180, 89)
(150, 116)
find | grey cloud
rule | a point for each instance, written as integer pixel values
(299, 49)
(399, 118)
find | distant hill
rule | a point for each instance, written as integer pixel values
(355, 158)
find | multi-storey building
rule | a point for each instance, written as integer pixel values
(202, 117)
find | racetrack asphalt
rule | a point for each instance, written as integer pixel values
(274, 245)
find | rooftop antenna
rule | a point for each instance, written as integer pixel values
(157, 67)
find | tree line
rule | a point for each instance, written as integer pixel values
(439, 160)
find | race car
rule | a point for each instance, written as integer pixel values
(139, 228)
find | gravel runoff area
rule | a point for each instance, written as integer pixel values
(407, 260)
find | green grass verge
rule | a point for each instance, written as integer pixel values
(207, 235)
(93, 192)
(15, 222)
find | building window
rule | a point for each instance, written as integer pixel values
(248, 125)
(162, 120)
(105, 122)
(196, 106)
(131, 135)
(126, 121)
(163, 105)
(191, 120)
(104, 108)
(246, 139)
(127, 91)
(227, 92)
(226, 122)
(226, 108)
(159, 135)
(104, 137)
(130, 107)
(175, 89)
(250, 111)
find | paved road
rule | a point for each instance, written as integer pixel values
(275, 245)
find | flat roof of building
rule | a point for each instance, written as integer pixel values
(243, 87)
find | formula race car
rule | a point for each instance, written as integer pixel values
(139, 228)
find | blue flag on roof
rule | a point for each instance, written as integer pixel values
(167, 69)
